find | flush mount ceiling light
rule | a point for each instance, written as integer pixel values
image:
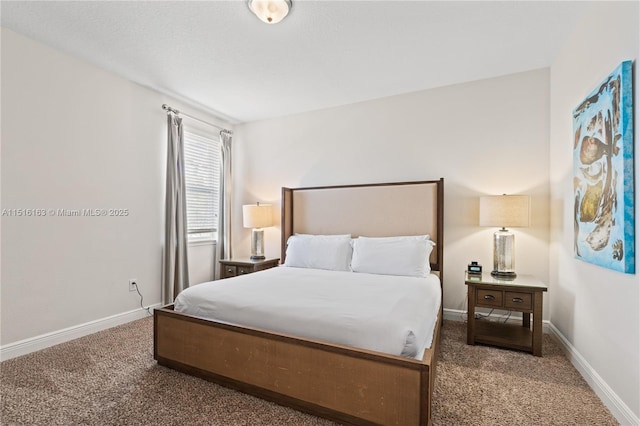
(270, 11)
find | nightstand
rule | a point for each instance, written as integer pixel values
(242, 266)
(521, 294)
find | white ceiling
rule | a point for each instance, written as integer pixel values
(218, 55)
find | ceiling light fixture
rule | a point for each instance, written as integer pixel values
(270, 11)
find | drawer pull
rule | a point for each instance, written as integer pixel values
(517, 300)
(229, 270)
(489, 297)
(242, 271)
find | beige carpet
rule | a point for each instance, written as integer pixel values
(110, 378)
(481, 385)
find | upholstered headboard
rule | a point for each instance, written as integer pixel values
(372, 210)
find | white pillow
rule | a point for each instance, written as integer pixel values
(332, 252)
(393, 255)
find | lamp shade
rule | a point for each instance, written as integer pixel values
(504, 210)
(256, 215)
(270, 11)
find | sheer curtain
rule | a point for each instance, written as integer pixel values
(224, 225)
(176, 270)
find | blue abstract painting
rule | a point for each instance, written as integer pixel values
(603, 184)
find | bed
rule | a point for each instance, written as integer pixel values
(343, 383)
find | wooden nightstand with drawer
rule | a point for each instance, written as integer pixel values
(522, 294)
(234, 267)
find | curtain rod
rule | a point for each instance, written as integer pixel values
(175, 111)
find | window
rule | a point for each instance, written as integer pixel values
(202, 181)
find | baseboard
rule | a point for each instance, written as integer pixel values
(516, 319)
(43, 341)
(609, 398)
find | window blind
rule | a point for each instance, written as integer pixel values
(202, 181)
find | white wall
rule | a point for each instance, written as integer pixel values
(73, 137)
(202, 262)
(484, 137)
(596, 309)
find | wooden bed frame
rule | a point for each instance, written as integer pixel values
(345, 384)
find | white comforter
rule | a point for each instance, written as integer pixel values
(390, 314)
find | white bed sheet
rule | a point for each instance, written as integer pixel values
(390, 314)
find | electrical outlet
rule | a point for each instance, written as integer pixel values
(132, 284)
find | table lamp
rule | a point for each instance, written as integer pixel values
(502, 211)
(257, 216)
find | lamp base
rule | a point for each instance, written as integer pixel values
(503, 275)
(257, 244)
(504, 255)
(257, 258)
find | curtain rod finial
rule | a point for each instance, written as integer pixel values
(169, 109)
